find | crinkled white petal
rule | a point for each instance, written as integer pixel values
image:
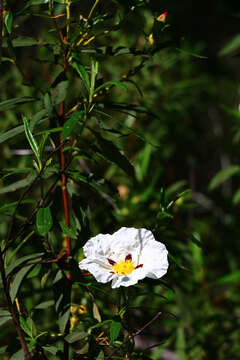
(101, 272)
(154, 258)
(142, 246)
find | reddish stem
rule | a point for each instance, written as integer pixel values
(64, 186)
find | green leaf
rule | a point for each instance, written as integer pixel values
(100, 355)
(99, 325)
(231, 46)
(19, 355)
(3, 349)
(35, 271)
(230, 278)
(4, 316)
(62, 292)
(17, 248)
(60, 92)
(31, 140)
(44, 305)
(186, 52)
(8, 21)
(87, 180)
(18, 281)
(37, 118)
(51, 349)
(17, 185)
(83, 74)
(44, 220)
(236, 197)
(70, 124)
(25, 326)
(112, 153)
(67, 230)
(109, 83)
(12, 103)
(115, 328)
(63, 320)
(223, 175)
(5, 59)
(8, 208)
(15, 263)
(24, 41)
(181, 344)
(75, 336)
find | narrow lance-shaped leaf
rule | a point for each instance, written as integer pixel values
(111, 152)
(18, 281)
(223, 175)
(109, 83)
(70, 124)
(12, 103)
(8, 21)
(44, 220)
(83, 74)
(31, 140)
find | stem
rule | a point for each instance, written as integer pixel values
(133, 335)
(93, 8)
(64, 186)
(12, 309)
(28, 189)
(67, 222)
(1, 23)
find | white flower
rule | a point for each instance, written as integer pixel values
(125, 257)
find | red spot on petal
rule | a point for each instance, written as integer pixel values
(128, 257)
(139, 266)
(111, 262)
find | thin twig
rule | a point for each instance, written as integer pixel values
(12, 309)
(29, 188)
(133, 335)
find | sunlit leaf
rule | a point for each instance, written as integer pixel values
(115, 328)
(224, 175)
(8, 21)
(231, 46)
(110, 83)
(83, 74)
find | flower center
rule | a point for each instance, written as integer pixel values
(124, 267)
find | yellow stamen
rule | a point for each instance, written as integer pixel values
(124, 267)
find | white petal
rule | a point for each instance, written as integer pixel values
(99, 245)
(131, 279)
(101, 271)
(154, 259)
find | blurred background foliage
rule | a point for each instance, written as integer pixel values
(178, 125)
